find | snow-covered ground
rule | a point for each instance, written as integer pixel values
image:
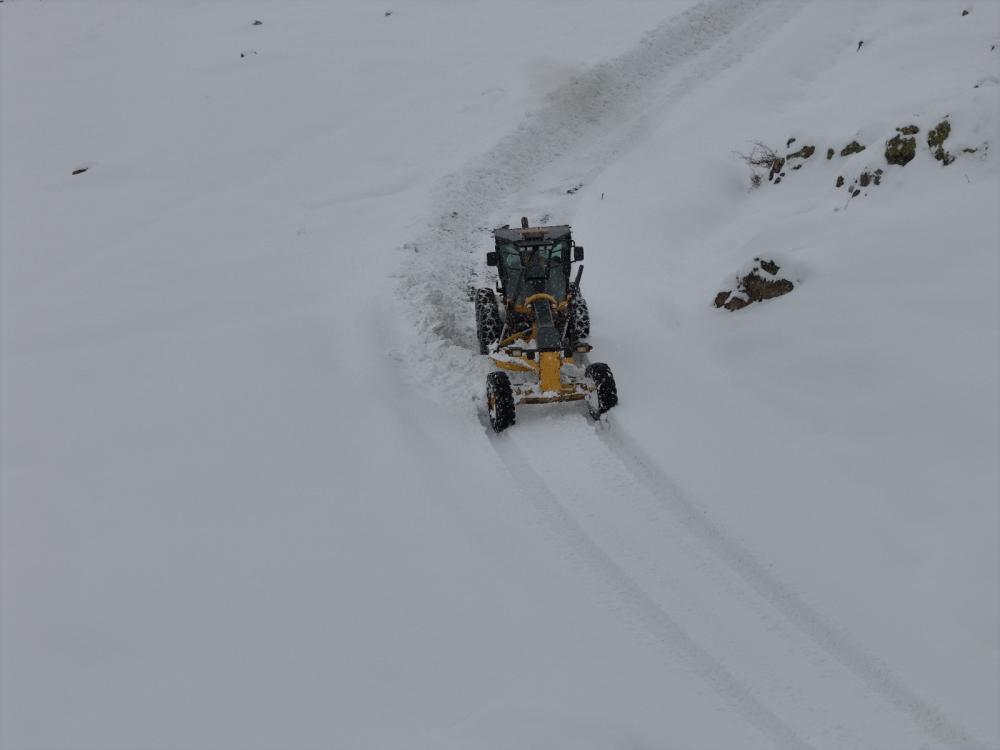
(247, 494)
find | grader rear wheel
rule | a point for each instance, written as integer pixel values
(488, 323)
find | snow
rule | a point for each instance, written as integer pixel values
(248, 494)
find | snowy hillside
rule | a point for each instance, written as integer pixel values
(249, 497)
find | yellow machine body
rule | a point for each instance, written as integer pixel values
(516, 353)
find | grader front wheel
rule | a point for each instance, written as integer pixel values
(605, 393)
(499, 401)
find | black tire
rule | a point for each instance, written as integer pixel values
(499, 401)
(579, 320)
(605, 395)
(488, 323)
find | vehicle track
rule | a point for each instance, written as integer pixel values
(833, 639)
(652, 617)
(840, 702)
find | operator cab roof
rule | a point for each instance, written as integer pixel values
(531, 235)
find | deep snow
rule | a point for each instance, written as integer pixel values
(248, 498)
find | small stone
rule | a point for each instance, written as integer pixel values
(80, 170)
(721, 297)
(257, 22)
(770, 266)
(829, 154)
(943, 156)
(965, 12)
(968, 150)
(840, 181)
(789, 142)
(797, 166)
(856, 193)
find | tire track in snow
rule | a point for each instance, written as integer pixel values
(831, 638)
(653, 618)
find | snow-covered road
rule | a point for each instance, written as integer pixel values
(248, 495)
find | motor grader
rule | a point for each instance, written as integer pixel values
(534, 326)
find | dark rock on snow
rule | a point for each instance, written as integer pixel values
(760, 284)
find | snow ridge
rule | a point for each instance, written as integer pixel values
(599, 112)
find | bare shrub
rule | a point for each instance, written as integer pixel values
(762, 158)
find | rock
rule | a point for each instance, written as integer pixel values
(864, 179)
(937, 135)
(770, 266)
(840, 181)
(736, 303)
(900, 150)
(803, 153)
(760, 284)
(829, 154)
(852, 148)
(908, 130)
(760, 289)
(935, 140)
(776, 166)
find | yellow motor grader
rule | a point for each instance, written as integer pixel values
(538, 341)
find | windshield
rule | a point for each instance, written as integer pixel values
(529, 269)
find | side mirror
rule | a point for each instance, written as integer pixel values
(578, 252)
(491, 258)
